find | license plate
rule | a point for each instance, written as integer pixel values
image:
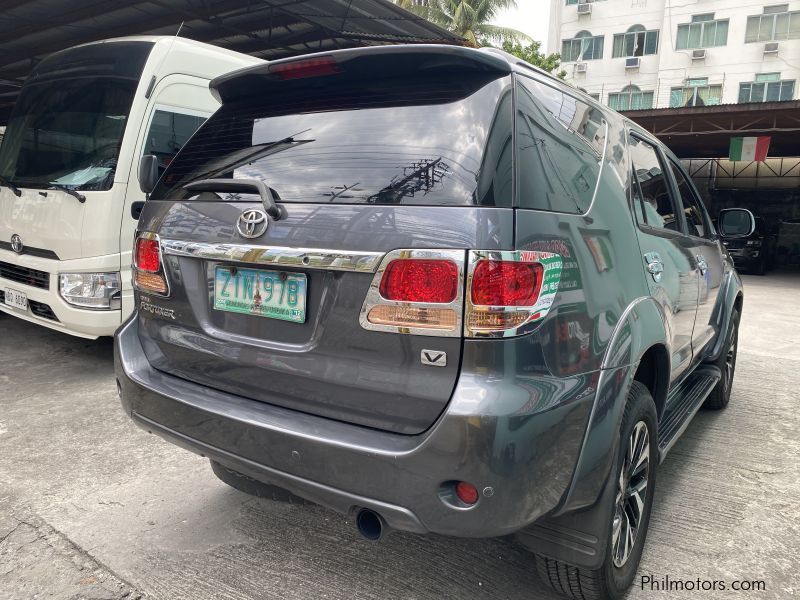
(272, 294)
(16, 299)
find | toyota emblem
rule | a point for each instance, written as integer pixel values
(252, 223)
(16, 244)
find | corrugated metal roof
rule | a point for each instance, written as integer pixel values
(270, 29)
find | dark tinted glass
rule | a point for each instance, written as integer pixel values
(560, 143)
(651, 191)
(695, 219)
(67, 124)
(168, 133)
(410, 145)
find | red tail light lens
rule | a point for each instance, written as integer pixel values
(420, 280)
(506, 283)
(300, 69)
(466, 492)
(148, 256)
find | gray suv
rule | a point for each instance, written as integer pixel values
(436, 290)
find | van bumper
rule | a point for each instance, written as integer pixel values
(45, 305)
(517, 445)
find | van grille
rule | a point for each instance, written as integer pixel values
(24, 275)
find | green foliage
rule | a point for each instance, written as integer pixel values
(470, 19)
(532, 54)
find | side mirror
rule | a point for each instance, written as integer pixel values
(148, 173)
(736, 223)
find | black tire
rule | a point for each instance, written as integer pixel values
(248, 485)
(761, 268)
(726, 363)
(611, 582)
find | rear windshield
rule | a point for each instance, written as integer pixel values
(427, 148)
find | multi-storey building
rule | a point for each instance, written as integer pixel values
(633, 54)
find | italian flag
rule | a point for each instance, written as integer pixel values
(749, 148)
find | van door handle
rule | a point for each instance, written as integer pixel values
(655, 266)
(702, 265)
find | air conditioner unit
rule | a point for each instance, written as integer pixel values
(771, 48)
(633, 62)
(581, 67)
(699, 54)
(584, 9)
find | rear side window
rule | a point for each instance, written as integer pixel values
(652, 200)
(695, 218)
(423, 144)
(560, 144)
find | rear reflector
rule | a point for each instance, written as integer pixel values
(420, 280)
(300, 69)
(467, 492)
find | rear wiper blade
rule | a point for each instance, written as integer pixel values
(6, 183)
(57, 186)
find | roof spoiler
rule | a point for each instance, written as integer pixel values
(353, 65)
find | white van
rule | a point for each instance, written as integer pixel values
(69, 195)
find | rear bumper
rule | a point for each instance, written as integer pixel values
(51, 310)
(516, 443)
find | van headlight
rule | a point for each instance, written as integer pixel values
(91, 290)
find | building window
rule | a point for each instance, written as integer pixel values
(583, 46)
(703, 32)
(767, 87)
(635, 42)
(695, 92)
(631, 98)
(777, 23)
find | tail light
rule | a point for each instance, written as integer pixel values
(422, 292)
(148, 267)
(417, 291)
(509, 291)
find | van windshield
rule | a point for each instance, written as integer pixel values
(429, 147)
(67, 132)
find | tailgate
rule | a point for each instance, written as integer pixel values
(327, 365)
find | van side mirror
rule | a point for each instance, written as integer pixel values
(736, 223)
(148, 173)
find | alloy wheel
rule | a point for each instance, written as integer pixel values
(631, 494)
(730, 358)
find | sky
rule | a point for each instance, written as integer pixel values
(530, 16)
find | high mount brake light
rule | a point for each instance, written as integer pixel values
(148, 268)
(301, 69)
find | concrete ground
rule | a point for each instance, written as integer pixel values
(93, 507)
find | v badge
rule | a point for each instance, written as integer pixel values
(434, 358)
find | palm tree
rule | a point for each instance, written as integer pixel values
(469, 19)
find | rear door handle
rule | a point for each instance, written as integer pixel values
(702, 265)
(655, 266)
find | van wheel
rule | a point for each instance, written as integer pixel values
(253, 487)
(726, 363)
(635, 478)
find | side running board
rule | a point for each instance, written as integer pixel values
(683, 402)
